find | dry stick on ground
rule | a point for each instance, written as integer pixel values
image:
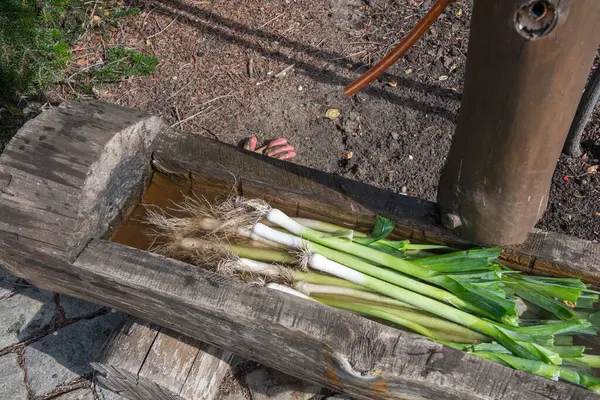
(269, 21)
(203, 110)
(164, 29)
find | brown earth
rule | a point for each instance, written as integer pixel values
(218, 76)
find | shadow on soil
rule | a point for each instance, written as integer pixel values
(234, 32)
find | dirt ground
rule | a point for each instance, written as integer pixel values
(219, 76)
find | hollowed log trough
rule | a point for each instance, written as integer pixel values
(71, 183)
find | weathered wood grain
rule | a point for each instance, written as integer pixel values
(63, 252)
(68, 174)
(211, 366)
(315, 193)
(145, 361)
(323, 345)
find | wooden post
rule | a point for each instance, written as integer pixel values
(527, 66)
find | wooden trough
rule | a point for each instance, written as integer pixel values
(72, 176)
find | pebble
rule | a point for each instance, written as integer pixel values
(395, 135)
(410, 157)
(403, 190)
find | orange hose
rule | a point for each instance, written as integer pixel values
(400, 49)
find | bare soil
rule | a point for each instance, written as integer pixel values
(219, 76)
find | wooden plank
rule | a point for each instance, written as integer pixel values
(550, 253)
(208, 371)
(329, 347)
(417, 219)
(170, 360)
(130, 385)
(169, 364)
(130, 345)
(302, 338)
(59, 165)
(316, 193)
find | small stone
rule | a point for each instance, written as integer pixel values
(268, 384)
(410, 157)
(55, 360)
(403, 189)
(349, 155)
(395, 135)
(332, 113)
(79, 394)
(25, 313)
(12, 378)
(300, 88)
(443, 78)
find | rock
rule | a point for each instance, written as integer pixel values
(395, 135)
(12, 378)
(79, 394)
(268, 384)
(57, 359)
(76, 308)
(24, 314)
(106, 394)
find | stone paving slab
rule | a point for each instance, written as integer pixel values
(66, 354)
(24, 314)
(7, 283)
(12, 378)
(76, 308)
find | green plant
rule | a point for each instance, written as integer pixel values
(122, 63)
(33, 50)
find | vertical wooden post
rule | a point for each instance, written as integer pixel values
(527, 65)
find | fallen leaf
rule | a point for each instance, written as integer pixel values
(598, 214)
(408, 71)
(148, 42)
(565, 178)
(459, 12)
(96, 18)
(593, 169)
(332, 114)
(81, 61)
(349, 155)
(443, 78)
(392, 83)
